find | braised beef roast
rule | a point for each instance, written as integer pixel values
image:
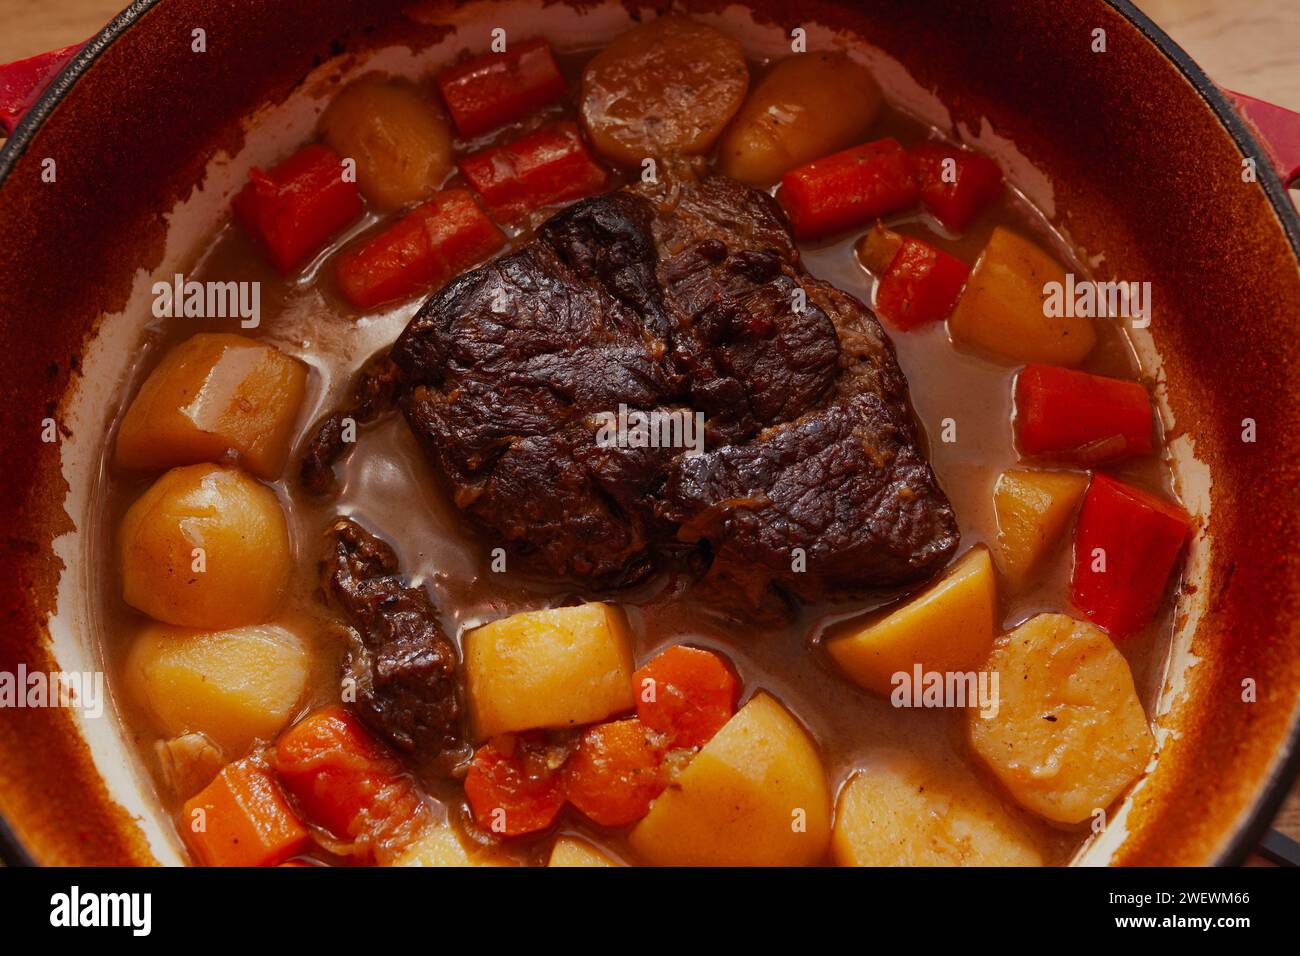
(682, 299)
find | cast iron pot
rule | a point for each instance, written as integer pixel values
(1139, 160)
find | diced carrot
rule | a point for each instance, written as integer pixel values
(921, 284)
(956, 184)
(1125, 547)
(515, 785)
(549, 166)
(346, 781)
(293, 210)
(848, 188)
(426, 248)
(242, 819)
(615, 773)
(1080, 418)
(488, 91)
(686, 694)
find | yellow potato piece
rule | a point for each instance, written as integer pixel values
(809, 105)
(946, 628)
(667, 87)
(570, 851)
(1070, 733)
(1001, 310)
(205, 547)
(233, 687)
(755, 795)
(439, 845)
(902, 812)
(212, 395)
(1033, 509)
(555, 668)
(400, 142)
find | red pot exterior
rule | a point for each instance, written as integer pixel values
(1143, 169)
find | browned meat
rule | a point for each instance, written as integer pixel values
(687, 300)
(401, 664)
(373, 393)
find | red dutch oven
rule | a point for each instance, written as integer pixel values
(1139, 160)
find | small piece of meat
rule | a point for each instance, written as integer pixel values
(373, 393)
(402, 664)
(677, 298)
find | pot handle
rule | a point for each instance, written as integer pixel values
(23, 82)
(1278, 129)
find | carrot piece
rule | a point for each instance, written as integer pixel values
(491, 90)
(615, 773)
(244, 819)
(921, 284)
(549, 166)
(955, 199)
(686, 694)
(1125, 549)
(293, 210)
(1084, 419)
(427, 247)
(848, 188)
(514, 785)
(347, 782)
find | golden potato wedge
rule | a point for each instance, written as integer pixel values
(755, 795)
(664, 88)
(570, 851)
(555, 668)
(808, 105)
(1033, 509)
(232, 687)
(400, 142)
(438, 845)
(213, 395)
(903, 812)
(947, 628)
(1001, 310)
(205, 547)
(1070, 733)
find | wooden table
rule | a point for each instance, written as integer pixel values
(1251, 47)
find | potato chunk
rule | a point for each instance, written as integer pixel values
(400, 142)
(1070, 733)
(755, 795)
(1001, 310)
(1033, 509)
(439, 845)
(212, 395)
(666, 87)
(553, 668)
(570, 851)
(902, 812)
(809, 105)
(205, 547)
(947, 628)
(233, 687)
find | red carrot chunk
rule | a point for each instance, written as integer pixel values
(293, 210)
(243, 819)
(685, 694)
(848, 188)
(515, 785)
(1083, 419)
(424, 249)
(488, 91)
(549, 166)
(1126, 546)
(921, 284)
(956, 184)
(615, 773)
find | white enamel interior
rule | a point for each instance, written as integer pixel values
(273, 132)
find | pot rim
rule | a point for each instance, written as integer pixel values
(1274, 791)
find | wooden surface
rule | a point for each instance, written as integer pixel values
(1249, 47)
